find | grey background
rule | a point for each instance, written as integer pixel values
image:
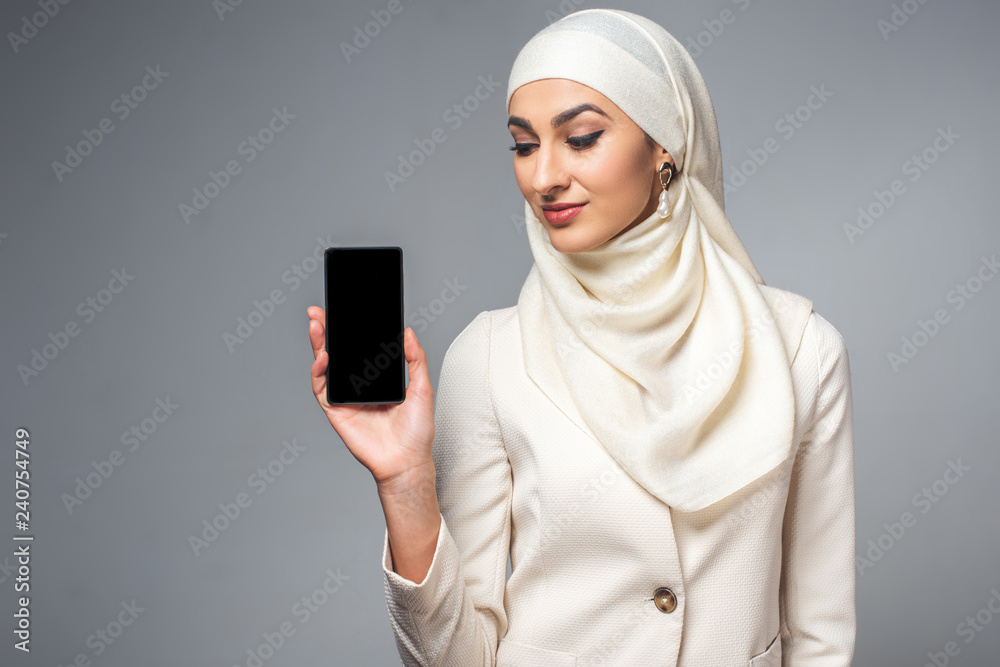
(323, 176)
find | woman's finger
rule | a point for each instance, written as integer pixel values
(321, 359)
(416, 359)
(317, 334)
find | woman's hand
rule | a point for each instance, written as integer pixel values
(390, 440)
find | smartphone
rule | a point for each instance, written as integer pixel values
(364, 325)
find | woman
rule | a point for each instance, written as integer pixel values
(662, 443)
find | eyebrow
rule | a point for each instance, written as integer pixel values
(560, 119)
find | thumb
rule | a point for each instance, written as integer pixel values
(416, 362)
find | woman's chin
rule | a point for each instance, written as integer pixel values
(570, 241)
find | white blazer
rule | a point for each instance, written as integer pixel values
(603, 573)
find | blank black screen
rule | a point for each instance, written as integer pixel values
(364, 325)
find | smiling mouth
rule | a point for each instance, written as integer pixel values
(558, 214)
(559, 207)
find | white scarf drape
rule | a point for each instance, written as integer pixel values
(663, 343)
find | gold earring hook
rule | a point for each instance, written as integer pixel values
(664, 167)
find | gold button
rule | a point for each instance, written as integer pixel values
(665, 600)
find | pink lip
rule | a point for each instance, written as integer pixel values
(559, 217)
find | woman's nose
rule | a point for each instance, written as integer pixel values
(550, 170)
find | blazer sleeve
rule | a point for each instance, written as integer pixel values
(456, 616)
(817, 590)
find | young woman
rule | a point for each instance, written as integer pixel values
(661, 443)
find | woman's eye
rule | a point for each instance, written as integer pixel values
(585, 140)
(578, 143)
(521, 149)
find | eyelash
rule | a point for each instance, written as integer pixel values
(578, 143)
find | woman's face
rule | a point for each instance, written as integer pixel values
(575, 146)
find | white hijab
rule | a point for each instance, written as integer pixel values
(663, 344)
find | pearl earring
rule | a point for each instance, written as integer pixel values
(664, 207)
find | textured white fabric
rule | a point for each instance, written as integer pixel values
(764, 577)
(663, 343)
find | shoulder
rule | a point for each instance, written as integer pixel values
(475, 340)
(830, 368)
(829, 345)
(471, 343)
(821, 340)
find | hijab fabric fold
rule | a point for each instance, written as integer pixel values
(663, 343)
